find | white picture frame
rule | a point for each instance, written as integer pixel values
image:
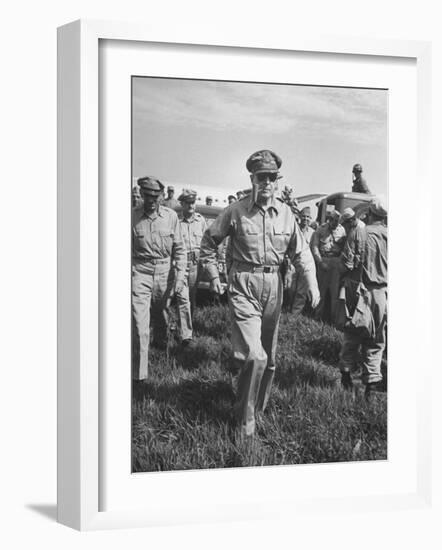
(79, 293)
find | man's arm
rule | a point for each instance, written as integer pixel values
(351, 254)
(179, 251)
(212, 238)
(302, 258)
(314, 246)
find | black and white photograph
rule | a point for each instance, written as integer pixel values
(259, 274)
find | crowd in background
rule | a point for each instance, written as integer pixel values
(347, 257)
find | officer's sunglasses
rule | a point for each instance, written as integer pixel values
(264, 176)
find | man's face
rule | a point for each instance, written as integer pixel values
(240, 195)
(170, 193)
(305, 220)
(232, 199)
(188, 208)
(333, 222)
(265, 183)
(136, 195)
(209, 202)
(151, 202)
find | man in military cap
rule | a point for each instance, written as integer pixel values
(231, 198)
(193, 226)
(304, 224)
(366, 284)
(359, 183)
(262, 230)
(156, 242)
(240, 195)
(326, 244)
(298, 291)
(352, 226)
(209, 200)
(171, 201)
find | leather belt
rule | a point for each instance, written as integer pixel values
(252, 268)
(153, 261)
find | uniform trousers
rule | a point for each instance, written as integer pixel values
(328, 283)
(299, 293)
(151, 289)
(186, 298)
(369, 350)
(255, 301)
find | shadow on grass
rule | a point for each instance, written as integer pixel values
(195, 398)
(305, 374)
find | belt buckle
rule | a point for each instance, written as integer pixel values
(267, 269)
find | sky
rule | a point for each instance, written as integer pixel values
(200, 133)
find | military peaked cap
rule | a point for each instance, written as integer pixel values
(263, 161)
(357, 168)
(306, 210)
(188, 195)
(150, 185)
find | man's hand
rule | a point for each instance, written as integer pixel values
(216, 286)
(313, 296)
(179, 285)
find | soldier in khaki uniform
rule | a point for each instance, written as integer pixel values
(365, 279)
(359, 183)
(156, 241)
(327, 243)
(262, 230)
(298, 292)
(193, 226)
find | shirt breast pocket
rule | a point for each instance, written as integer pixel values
(165, 240)
(246, 227)
(281, 238)
(138, 237)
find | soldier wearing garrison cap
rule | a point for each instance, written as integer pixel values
(156, 243)
(262, 231)
(359, 183)
(298, 290)
(365, 279)
(193, 226)
(327, 243)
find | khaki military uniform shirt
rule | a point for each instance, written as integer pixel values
(327, 242)
(157, 237)
(170, 203)
(193, 229)
(360, 186)
(307, 233)
(258, 237)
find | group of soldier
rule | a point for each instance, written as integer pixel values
(262, 232)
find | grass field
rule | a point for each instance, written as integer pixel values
(183, 417)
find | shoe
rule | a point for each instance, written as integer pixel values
(188, 343)
(346, 381)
